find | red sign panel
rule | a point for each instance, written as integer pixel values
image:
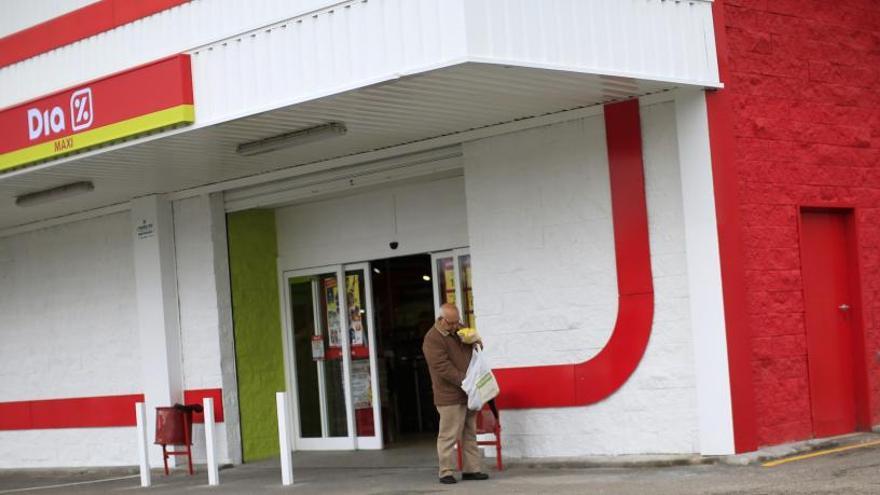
(146, 98)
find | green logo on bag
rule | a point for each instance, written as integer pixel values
(484, 380)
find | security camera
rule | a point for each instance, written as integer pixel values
(393, 244)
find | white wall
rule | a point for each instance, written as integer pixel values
(542, 243)
(421, 217)
(199, 320)
(69, 329)
(538, 206)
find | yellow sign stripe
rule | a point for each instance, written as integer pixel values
(820, 453)
(181, 114)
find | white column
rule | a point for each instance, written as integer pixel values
(203, 288)
(213, 471)
(224, 318)
(158, 318)
(704, 274)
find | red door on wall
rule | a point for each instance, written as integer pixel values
(830, 321)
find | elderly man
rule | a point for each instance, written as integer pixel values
(448, 359)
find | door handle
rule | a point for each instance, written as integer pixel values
(843, 307)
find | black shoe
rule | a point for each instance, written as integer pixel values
(448, 480)
(474, 476)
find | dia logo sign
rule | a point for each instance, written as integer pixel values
(45, 122)
(81, 109)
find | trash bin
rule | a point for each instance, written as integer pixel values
(174, 427)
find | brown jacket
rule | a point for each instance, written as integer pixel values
(448, 359)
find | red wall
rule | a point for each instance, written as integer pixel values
(804, 81)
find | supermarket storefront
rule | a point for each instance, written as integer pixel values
(257, 218)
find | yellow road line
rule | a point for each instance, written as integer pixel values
(819, 453)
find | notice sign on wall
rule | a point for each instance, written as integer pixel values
(145, 230)
(317, 347)
(144, 99)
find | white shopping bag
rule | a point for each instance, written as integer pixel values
(479, 382)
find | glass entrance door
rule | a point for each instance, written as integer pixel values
(364, 360)
(331, 360)
(452, 282)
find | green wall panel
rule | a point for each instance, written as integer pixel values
(259, 358)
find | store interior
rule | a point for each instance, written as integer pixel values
(404, 305)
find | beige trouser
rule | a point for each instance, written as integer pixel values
(457, 422)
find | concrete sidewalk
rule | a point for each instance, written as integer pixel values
(412, 470)
(852, 473)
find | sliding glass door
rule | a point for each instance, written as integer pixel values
(332, 358)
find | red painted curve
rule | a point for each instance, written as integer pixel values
(596, 379)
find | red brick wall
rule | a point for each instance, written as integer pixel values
(805, 85)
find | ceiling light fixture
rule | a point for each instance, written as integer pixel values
(56, 193)
(290, 139)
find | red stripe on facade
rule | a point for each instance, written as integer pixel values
(79, 24)
(733, 278)
(89, 412)
(80, 412)
(596, 379)
(197, 396)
